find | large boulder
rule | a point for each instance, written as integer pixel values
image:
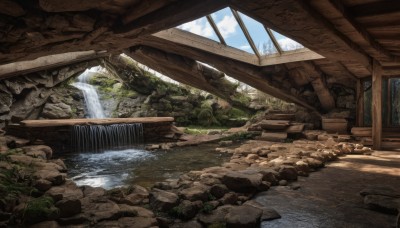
(197, 192)
(243, 217)
(57, 111)
(242, 182)
(161, 200)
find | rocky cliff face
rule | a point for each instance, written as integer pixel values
(32, 96)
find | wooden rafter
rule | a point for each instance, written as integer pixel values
(216, 30)
(377, 105)
(174, 14)
(246, 32)
(274, 41)
(361, 30)
(376, 8)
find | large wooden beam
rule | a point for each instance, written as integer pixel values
(201, 43)
(107, 121)
(297, 20)
(318, 83)
(142, 8)
(360, 103)
(177, 13)
(359, 30)
(377, 105)
(47, 62)
(254, 76)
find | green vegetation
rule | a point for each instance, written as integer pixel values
(39, 209)
(200, 130)
(207, 208)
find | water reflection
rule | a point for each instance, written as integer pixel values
(114, 168)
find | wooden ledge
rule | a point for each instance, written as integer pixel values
(107, 121)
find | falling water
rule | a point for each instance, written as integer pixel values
(93, 138)
(94, 108)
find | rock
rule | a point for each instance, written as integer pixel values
(137, 211)
(89, 191)
(283, 182)
(161, 200)
(314, 163)
(242, 182)
(54, 176)
(218, 190)
(226, 143)
(57, 111)
(46, 149)
(42, 185)
(383, 203)
(46, 224)
(229, 198)
(216, 217)
(243, 216)
(295, 186)
(288, 173)
(137, 222)
(380, 190)
(69, 190)
(267, 213)
(199, 192)
(190, 224)
(187, 209)
(69, 207)
(99, 209)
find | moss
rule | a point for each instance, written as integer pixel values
(207, 208)
(217, 225)
(40, 209)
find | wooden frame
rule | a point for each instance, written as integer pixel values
(205, 44)
(376, 105)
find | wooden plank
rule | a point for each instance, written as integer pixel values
(275, 137)
(274, 124)
(143, 8)
(46, 62)
(280, 116)
(360, 103)
(107, 121)
(295, 129)
(376, 105)
(361, 131)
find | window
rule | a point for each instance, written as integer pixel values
(200, 27)
(285, 43)
(230, 30)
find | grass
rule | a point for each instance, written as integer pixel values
(200, 130)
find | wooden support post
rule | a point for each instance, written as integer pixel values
(376, 105)
(360, 103)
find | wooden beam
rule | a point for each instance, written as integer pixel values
(142, 8)
(360, 103)
(202, 43)
(107, 121)
(393, 71)
(47, 62)
(274, 41)
(318, 83)
(11, 8)
(246, 32)
(376, 105)
(361, 30)
(216, 30)
(177, 13)
(375, 8)
(254, 76)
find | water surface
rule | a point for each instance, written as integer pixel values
(115, 168)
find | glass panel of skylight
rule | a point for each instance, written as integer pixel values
(286, 44)
(230, 30)
(200, 27)
(259, 35)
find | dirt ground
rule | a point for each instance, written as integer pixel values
(330, 197)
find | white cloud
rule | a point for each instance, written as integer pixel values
(245, 47)
(227, 26)
(199, 27)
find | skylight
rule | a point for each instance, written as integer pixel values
(261, 39)
(230, 30)
(234, 29)
(200, 27)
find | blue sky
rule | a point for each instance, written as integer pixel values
(233, 35)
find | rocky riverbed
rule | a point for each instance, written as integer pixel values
(38, 193)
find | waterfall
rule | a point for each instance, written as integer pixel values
(94, 138)
(92, 101)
